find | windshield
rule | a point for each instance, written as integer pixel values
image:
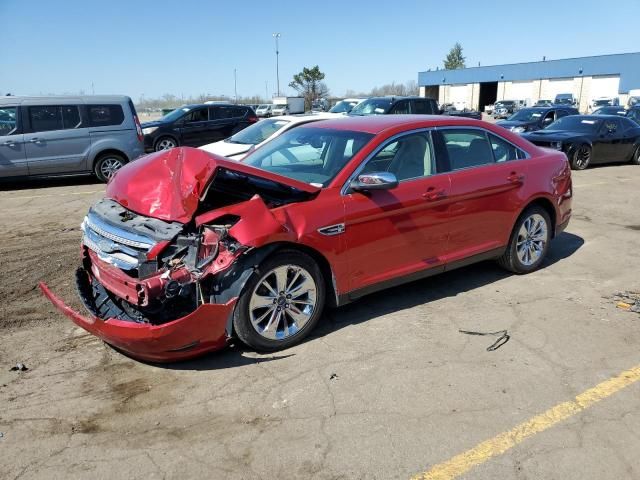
(309, 154)
(262, 107)
(575, 123)
(373, 106)
(258, 132)
(175, 115)
(601, 102)
(343, 107)
(526, 115)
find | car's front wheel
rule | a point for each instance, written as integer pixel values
(635, 158)
(281, 302)
(165, 143)
(581, 157)
(529, 241)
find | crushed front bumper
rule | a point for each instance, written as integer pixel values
(203, 330)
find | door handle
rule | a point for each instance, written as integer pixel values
(431, 195)
(35, 140)
(515, 177)
(9, 143)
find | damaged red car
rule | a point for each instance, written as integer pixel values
(188, 250)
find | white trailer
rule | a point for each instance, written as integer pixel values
(293, 104)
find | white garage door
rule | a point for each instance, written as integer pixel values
(520, 91)
(604, 86)
(459, 95)
(560, 85)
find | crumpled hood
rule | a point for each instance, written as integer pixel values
(169, 184)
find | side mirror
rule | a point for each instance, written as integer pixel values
(375, 181)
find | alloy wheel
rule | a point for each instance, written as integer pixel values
(109, 166)
(532, 239)
(583, 156)
(282, 302)
(165, 144)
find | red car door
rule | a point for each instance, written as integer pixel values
(486, 190)
(401, 231)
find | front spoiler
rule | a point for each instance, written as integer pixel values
(203, 330)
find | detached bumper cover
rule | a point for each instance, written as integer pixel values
(203, 330)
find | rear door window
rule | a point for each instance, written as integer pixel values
(467, 148)
(401, 108)
(199, 115)
(222, 113)
(422, 107)
(45, 118)
(105, 115)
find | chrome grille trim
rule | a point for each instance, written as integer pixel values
(117, 235)
(115, 246)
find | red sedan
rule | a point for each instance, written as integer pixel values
(188, 250)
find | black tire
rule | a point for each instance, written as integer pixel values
(165, 143)
(107, 165)
(242, 323)
(580, 157)
(510, 259)
(635, 158)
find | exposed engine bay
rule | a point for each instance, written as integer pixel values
(146, 270)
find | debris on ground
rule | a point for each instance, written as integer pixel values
(333, 376)
(503, 337)
(627, 300)
(19, 367)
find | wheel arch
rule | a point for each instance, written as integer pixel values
(165, 135)
(547, 205)
(106, 151)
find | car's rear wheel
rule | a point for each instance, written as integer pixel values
(281, 302)
(581, 157)
(529, 241)
(635, 158)
(165, 143)
(107, 165)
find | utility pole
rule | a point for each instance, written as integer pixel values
(277, 36)
(93, 90)
(266, 91)
(235, 84)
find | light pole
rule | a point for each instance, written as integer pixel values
(235, 85)
(266, 91)
(277, 36)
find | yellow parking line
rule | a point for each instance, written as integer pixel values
(53, 195)
(499, 444)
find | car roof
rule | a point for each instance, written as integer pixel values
(378, 123)
(52, 99)
(194, 105)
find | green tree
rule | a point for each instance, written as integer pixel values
(308, 83)
(454, 58)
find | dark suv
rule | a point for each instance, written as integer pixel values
(196, 125)
(396, 105)
(535, 118)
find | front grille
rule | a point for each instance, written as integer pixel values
(114, 245)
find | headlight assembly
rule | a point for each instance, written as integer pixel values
(149, 130)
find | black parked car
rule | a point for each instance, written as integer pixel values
(196, 125)
(535, 118)
(590, 139)
(396, 105)
(615, 110)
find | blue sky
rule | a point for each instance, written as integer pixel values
(191, 47)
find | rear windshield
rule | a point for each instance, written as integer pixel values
(258, 132)
(372, 106)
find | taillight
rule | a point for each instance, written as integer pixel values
(252, 119)
(138, 127)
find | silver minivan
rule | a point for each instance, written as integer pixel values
(46, 136)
